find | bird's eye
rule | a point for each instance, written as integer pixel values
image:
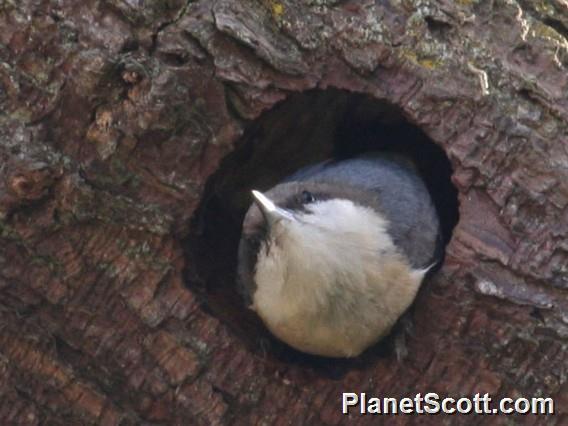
(307, 197)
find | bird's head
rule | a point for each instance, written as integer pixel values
(303, 235)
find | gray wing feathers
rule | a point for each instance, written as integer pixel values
(401, 196)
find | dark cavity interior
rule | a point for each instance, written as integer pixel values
(306, 128)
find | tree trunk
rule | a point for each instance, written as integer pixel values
(117, 260)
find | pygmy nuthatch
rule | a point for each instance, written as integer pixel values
(331, 257)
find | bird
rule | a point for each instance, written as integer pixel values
(331, 257)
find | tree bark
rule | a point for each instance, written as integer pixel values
(115, 114)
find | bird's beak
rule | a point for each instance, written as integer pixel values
(271, 212)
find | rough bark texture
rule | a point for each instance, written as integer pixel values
(113, 116)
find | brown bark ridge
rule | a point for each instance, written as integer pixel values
(113, 116)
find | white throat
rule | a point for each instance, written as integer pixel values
(330, 272)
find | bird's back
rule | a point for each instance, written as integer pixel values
(400, 195)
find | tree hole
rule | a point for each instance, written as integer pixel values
(304, 129)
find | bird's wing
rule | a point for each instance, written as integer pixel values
(401, 196)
